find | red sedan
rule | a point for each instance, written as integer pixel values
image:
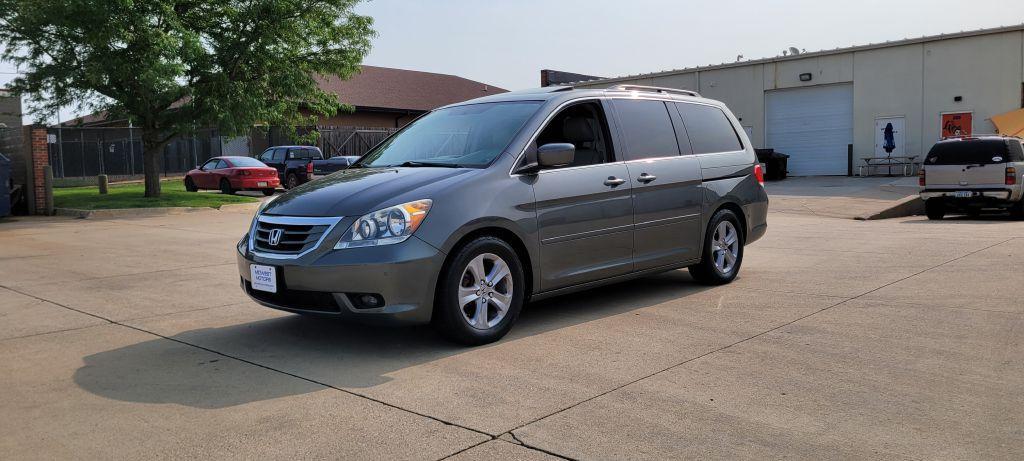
(230, 174)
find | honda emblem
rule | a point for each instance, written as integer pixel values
(275, 236)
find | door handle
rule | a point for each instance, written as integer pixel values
(646, 178)
(613, 181)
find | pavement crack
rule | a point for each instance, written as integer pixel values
(548, 452)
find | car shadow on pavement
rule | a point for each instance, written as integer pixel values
(335, 353)
(964, 219)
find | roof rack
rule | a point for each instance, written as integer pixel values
(655, 89)
(981, 135)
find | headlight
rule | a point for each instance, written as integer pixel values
(385, 227)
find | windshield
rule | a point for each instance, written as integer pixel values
(969, 152)
(470, 135)
(245, 162)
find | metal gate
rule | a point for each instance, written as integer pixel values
(350, 141)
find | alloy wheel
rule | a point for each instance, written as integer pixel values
(485, 291)
(725, 247)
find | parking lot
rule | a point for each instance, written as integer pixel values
(882, 339)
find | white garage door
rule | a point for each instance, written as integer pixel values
(813, 125)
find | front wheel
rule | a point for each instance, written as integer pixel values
(190, 185)
(481, 293)
(934, 209)
(723, 250)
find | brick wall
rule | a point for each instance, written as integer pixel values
(40, 157)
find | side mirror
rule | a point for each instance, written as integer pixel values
(556, 154)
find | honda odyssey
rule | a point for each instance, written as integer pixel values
(473, 209)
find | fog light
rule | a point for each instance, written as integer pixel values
(366, 300)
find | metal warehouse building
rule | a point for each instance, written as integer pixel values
(814, 105)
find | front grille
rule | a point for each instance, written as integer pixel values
(315, 301)
(297, 235)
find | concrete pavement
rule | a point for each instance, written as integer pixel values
(129, 338)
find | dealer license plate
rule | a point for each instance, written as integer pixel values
(263, 278)
(963, 194)
(262, 184)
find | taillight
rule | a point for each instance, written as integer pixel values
(759, 173)
(309, 167)
(920, 177)
(1011, 176)
(244, 172)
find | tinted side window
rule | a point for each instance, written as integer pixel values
(278, 155)
(266, 155)
(709, 129)
(1016, 151)
(221, 164)
(647, 129)
(210, 164)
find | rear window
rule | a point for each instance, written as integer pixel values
(245, 162)
(305, 154)
(972, 152)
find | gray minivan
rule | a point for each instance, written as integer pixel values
(475, 208)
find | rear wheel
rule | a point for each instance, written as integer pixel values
(291, 181)
(190, 185)
(1017, 210)
(481, 293)
(268, 192)
(723, 250)
(934, 209)
(225, 187)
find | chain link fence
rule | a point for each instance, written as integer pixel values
(83, 152)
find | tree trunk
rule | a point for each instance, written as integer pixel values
(151, 155)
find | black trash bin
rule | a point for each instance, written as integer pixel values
(5, 186)
(775, 163)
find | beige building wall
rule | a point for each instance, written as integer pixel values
(916, 80)
(985, 70)
(888, 83)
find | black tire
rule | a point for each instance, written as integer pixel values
(291, 181)
(225, 187)
(1017, 210)
(707, 271)
(451, 319)
(190, 186)
(268, 192)
(934, 209)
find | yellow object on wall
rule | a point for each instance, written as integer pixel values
(1010, 123)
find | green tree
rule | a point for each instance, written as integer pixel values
(172, 66)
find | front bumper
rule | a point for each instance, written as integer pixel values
(328, 282)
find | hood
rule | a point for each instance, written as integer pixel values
(359, 191)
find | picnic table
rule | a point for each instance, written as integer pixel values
(907, 163)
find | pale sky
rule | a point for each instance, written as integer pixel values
(507, 43)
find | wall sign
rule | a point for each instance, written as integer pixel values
(957, 124)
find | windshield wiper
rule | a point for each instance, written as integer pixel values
(414, 163)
